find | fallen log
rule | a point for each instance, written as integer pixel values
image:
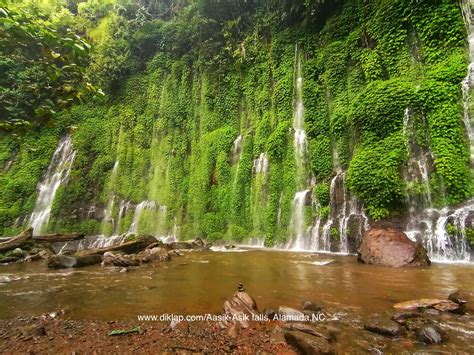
(51, 238)
(16, 242)
(130, 247)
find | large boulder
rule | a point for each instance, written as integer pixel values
(464, 298)
(239, 309)
(391, 247)
(118, 259)
(153, 254)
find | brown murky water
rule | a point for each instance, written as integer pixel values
(199, 282)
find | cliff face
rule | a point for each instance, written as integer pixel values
(296, 127)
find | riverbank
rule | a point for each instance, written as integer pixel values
(54, 335)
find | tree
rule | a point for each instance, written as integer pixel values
(44, 70)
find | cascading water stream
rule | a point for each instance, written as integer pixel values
(57, 173)
(297, 222)
(144, 205)
(111, 200)
(468, 82)
(260, 165)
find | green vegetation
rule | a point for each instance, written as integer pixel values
(185, 78)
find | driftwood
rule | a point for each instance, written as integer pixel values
(16, 242)
(131, 247)
(51, 238)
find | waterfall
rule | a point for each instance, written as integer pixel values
(57, 173)
(111, 200)
(297, 222)
(442, 231)
(123, 208)
(416, 173)
(260, 165)
(259, 193)
(144, 205)
(468, 82)
(236, 149)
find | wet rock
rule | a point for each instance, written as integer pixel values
(239, 308)
(384, 327)
(65, 261)
(154, 254)
(465, 299)
(18, 253)
(440, 305)
(402, 317)
(287, 314)
(33, 257)
(61, 262)
(391, 247)
(45, 254)
(117, 259)
(429, 334)
(198, 243)
(8, 259)
(87, 260)
(307, 344)
(309, 306)
(269, 312)
(230, 246)
(181, 245)
(311, 330)
(172, 253)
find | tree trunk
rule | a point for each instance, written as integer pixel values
(51, 238)
(16, 242)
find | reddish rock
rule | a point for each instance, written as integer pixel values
(440, 305)
(239, 308)
(391, 247)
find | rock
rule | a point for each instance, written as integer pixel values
(61, 262)
(309, 306)
(18, 253)
(8, 259)
(198, 243)
(287, 314)
(87, 260)
(440, 305)
(311, 330)
(34, 257)
(117, 259)
(155, 254)
(181, 245)
(307, 344)
(240, 307)
(429, 334)
(230, 246)
(391, 247)
(463, 298)
(402, 317)
(269, 313)
(384, 327)
(45, 254)
(65, 261)
(172, 253)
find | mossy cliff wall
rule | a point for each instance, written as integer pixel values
(172, 128)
